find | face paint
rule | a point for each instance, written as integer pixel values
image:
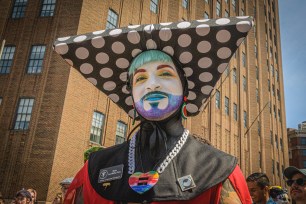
(157, 90)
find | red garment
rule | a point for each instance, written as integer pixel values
(90, 196)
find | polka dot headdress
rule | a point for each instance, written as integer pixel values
(203, 48)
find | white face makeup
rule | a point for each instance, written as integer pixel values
(157, 90)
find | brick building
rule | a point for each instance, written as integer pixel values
(49, 114)
(297, 146)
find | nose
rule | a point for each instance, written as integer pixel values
(153, 84)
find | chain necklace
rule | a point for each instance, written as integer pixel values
(176, 149)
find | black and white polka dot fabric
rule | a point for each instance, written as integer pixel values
(203, 47)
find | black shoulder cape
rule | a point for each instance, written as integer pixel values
(207, 165)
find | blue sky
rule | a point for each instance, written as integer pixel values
(293, 43)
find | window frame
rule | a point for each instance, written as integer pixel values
(51, 8)
(95, 129)
(7, 59)
(20, 9)
(218, 99)
(109, 24)
(33, 68)
(154, 6)
(23, 117)
(119, 136)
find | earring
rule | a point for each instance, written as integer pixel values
(184, 109)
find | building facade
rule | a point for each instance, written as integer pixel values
(49, 114)
(297, 146)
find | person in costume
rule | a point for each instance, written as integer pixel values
(161, 68)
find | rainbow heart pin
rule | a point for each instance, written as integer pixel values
(142, 182)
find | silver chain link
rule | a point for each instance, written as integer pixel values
(177, 148)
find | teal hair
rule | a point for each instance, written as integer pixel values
(148, 56)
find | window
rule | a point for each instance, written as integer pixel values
(269, 85)
(112, 19)
(120, 132)
(303, 152)
(217, 99)
(234, 4)
(218, 8)
(303, 141)
(0, 101)
(259, 159)
(226, 14)
(235, 112)
(185, 3)
(271, 137)
(257, 73)
(244, 83)
(226, 71)
(276, 75)
(279, 115)
(235, 75)
(271, 52)
(154, 6)
(47, 8)
(226, 107)
(206, 15)
(226, 1)
(19, 8)
(97, 127)
(242, 12)
(6, 59)
(273, 88)
(255, 50)
(272, 70)
(207, 1)
(36, 59)
(273, 167)
(304, 164)
(243, 59)
(257, 95)
(278, 95)
(245, 120)
(278, 172)
(274, 111)
(281, 144)
(258, 128)
(276, 58)
(24, 113)
(276, 142)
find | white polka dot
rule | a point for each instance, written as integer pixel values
(205, 62)
(191, 108)
(118, 47)
(129, 101)
(92, 80)
(133, 37)
(165, 34)
(69, 61)
(206, 89)
(133, 26)
(188, 71)
(243, 26)
(239, 41)
(123, 76)
(224, 53)
(102, 58)
(150, 44)
(185, 57)
(222, 67)
(190, 84)
(169, 50)
(98, 42)
(166, 23)
(184, 40)
(79, 38)
(122, 63)
(242, 17)
(61, 48)
(223, 36)
(203, 20)
(114, 97)
(204, 46)
(82, 53)
(109, 85)
(124, 89)
(149, 28)
(106, 72)
(206, 77)
(131, 113)
(115, 32)
(63, 38)
(203, 29)
(191, 95)
(98, 32)
(184, 24)
(86, 68)
(222, 21)
(135, 52)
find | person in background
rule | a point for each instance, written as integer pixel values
(297, 183)
(33, 195)
(23, 197)
(1, 199)
(279, 195)
(258, 184)
(65, 185)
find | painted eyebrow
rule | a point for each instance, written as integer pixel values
(163, 66)
(139, 70)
